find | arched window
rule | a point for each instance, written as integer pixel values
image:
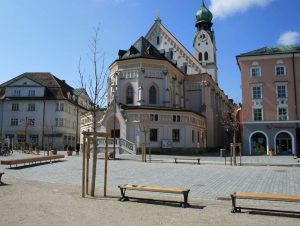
(152, 95)
(129, 96)
(157, 40)
(206, 56)
(200, 57)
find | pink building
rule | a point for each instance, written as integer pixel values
(271, 100)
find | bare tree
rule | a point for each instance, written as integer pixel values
(95, 84)
(231, 124)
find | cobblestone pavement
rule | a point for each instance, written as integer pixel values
(206, 181)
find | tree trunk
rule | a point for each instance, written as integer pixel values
(94, 157)
(234, 148)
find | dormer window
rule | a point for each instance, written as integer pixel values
(132, 50)
(150, 50)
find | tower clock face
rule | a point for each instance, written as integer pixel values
(202, 37)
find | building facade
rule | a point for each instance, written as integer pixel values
(271, 99)
(161, 93)
(39, 109)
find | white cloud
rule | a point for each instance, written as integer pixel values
(224, 8)
(289, 38)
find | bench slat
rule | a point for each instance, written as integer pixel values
(153, 189)
(30, 160)
(275, 197)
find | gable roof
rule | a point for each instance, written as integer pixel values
(158, 24)
(272, 50)
(56, 89)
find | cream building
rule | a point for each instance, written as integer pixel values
(41, 110)
(162, 95)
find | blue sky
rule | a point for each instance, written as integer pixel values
(50, 36)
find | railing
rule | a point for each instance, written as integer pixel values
(121, 145)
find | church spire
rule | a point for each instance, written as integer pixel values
(204, 18)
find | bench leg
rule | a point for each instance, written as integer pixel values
(185, 202)
(198, 161)
(123, 196)
(175, 161)
(1, 178)
(235, 209)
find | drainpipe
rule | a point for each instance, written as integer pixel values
(295, 86)
(43, 130)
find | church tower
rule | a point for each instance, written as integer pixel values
(204, 44)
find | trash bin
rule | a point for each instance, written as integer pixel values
(222, 152)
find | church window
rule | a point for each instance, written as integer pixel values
(171, 54)
(206, 56)
(152, 95)
(200, 57)
(129, 97)
(157, 40)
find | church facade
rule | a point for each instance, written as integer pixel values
(161, 95)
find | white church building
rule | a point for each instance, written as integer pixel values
(162, 95)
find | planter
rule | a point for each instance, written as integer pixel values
(54, 152)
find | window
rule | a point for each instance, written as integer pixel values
(15, 107)
(129, 97)
(200, 57)
(206, 56)
(60, 107)
(31, 93)
(31, 107)
(153, 135)
(281, 91)
(198, 136)
(171, 54)
(282, 113)
(17, 92)
(21, 138)
(34, 139)
(176, 135)
(255, 72)
(153, 117)
(14, 122)
(176, 118)
(59, 122)
(193, 136)
(157, 40)
(152, 95)
(256, 92)
(280, 70)
(257, 113)
(30, 122)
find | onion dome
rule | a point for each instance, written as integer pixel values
(203, 15)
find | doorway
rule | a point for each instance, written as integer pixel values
(284, 144)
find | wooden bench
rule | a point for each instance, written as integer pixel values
(187, 158)
(1, 173)
(33, 160)
(266, 197)
(125, 187)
